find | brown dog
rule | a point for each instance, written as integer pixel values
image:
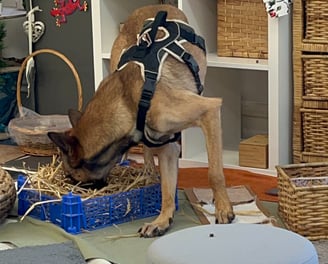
(107, 127)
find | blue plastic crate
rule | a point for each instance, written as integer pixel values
(75, 215)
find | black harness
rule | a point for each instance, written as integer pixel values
(152, 53)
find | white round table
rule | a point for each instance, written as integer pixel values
(232, 244)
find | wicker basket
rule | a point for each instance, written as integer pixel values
(310, 107)
(315, 135)
(316, 20)
(310, 21)
(315, 81)
(303, 198)
(7, 194)
(242, 29)
(30, 132)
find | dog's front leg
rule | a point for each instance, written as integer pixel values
(211, 126)
(168, 157)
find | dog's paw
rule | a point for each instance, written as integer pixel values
(155, 228)
(223, 212)
(224, 217)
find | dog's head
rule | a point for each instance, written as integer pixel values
(81, 163)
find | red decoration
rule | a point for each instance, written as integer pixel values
(64, 8)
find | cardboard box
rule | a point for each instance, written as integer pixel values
(253, 152)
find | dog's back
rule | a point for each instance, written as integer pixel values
(133, 25)
(173, 71)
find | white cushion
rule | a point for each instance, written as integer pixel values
(232, 244)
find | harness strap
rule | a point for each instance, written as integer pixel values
(189, 60)
(146, 96)
(151, 54)
(189, 34)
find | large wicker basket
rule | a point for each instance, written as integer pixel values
(7, 194)
(303, 198)
(30, 132)
(242, 29)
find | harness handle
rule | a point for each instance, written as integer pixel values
(159, 20)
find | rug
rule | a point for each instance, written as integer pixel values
(259, 184)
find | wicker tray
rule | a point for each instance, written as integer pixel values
(7, 194)
(242, 29)
(303, 198)
(30, 132)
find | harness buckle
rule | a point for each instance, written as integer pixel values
(151, 75)
(190, 60)
(148, 89)
(146, 98)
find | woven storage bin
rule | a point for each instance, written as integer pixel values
(303, 198)
(7, 194)
(315, 81)
(310, 21)
(316, 20)
(242, 29)
(315, 135)
(30, 132)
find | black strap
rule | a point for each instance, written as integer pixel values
(159, 20)
(189, 34)
(151, 54)
(146, 96)
(190, 61)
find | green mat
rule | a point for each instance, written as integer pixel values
(101, 243)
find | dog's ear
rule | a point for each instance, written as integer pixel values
(68, 145)
(61, 140)
(74, 116)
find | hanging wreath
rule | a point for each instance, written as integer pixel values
(64, 8)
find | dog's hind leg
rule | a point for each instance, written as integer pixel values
(168, 156)
(149, 160)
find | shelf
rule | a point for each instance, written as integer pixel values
(230, 160)
(106, 55)
(226, 77)
(226, 62)
(11, 12)
(236, 63)
(230, 157)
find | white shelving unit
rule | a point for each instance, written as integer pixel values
(202, 15)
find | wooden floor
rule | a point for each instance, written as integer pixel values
(260, 184)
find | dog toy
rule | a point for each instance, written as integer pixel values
(277, 8)
(64, 8)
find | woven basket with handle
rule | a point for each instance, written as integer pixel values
(30, 132)
(7, 194)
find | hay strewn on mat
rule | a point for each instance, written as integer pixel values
(50, 179)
